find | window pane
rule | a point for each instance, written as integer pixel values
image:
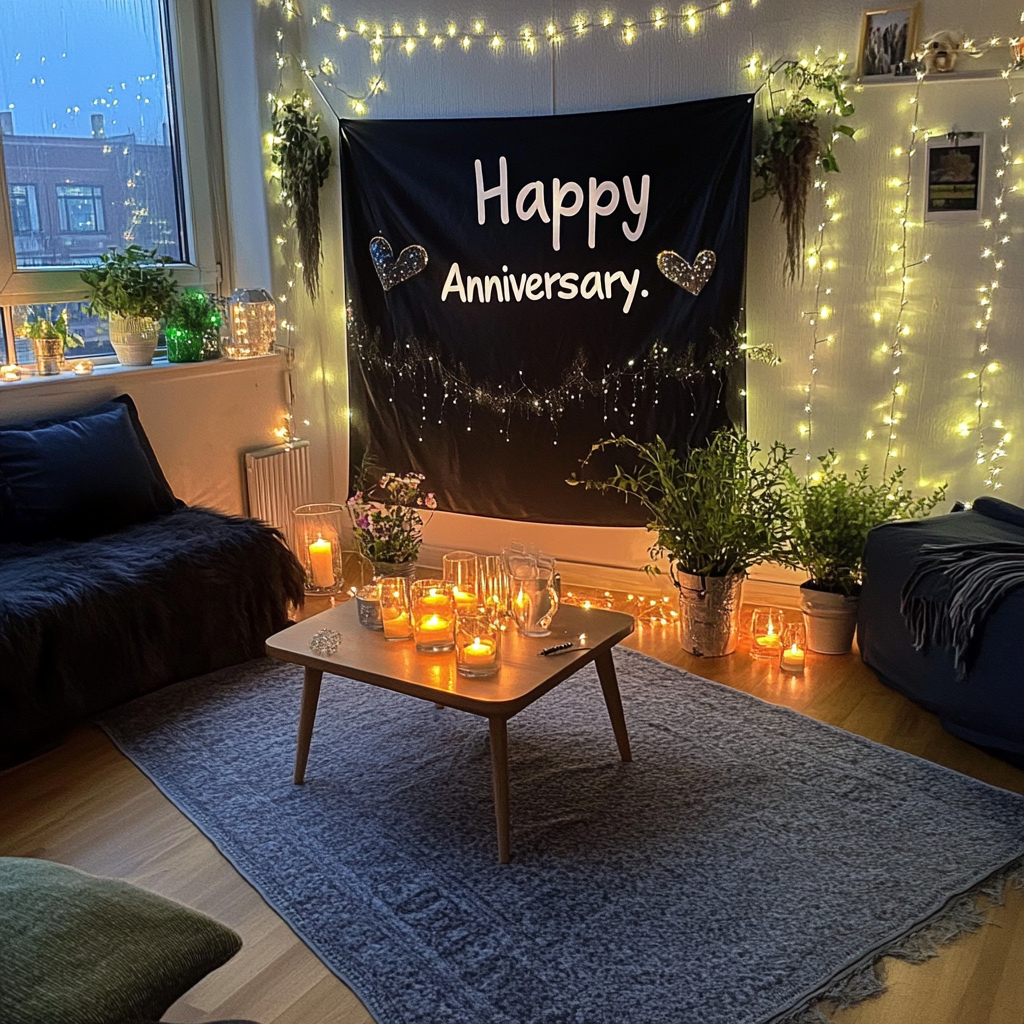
(93, 330)
(89, 137)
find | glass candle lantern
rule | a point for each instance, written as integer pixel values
(477, 646)
(433, 616)
(493, 587)
(318, 538)
(253, 318)
(82, 367)
(793, 648)
(766, 626)
(394, 608)
(460, 570)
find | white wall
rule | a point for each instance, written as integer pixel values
(599, 71)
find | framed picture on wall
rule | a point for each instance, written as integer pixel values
(887, 38)
(956, 176)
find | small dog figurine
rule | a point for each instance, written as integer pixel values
(941, 51)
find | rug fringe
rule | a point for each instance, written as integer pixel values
(964, 914)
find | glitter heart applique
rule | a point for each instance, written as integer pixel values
(678, 271)
(394, 270)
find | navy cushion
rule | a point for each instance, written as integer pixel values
(996, 508)
(79, 477)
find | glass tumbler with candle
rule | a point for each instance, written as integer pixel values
(477, 646)
(394, 608)
(460, 570)
(793, 648)
(318, 537)
(433, 616)
(533, 590)
(766, 625)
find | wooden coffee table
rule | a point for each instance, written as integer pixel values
(524, 676)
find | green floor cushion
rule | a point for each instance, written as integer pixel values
(76, 949)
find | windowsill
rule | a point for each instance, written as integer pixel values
(213, 367)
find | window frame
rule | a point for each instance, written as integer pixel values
(188, 78)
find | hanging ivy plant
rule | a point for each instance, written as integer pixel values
(304, 159)
(807, 106)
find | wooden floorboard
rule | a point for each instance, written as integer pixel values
(86, 805)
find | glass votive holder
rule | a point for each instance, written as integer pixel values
(433, 616)
(10, 372)
(460, 570)
(82, 367)
(368, 606)
(318, 539)
(793, 648)
(394, 608)
(766, 625)
(477, 646)
(493, 588)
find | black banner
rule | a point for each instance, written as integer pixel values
(520, 288)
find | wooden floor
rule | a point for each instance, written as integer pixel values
(85, 804)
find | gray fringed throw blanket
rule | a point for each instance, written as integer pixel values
(952, 591)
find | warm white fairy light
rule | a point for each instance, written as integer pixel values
(901, 329)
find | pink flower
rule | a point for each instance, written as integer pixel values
(363, 523)
(431, 501)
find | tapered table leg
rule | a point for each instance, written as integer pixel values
(310, 696)
(610, 688)
(499, 771)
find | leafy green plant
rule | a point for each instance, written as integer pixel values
(798, 135)
(716, 510)
(831, 515)
(304, 159)
(388, 527)
(192, 325)
(135, 282)
(46, 327)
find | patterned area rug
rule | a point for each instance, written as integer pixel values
(748, 864)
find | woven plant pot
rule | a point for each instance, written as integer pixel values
(133, 339)
(709, 612)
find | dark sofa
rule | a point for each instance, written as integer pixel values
(109, 586)
(986, 707)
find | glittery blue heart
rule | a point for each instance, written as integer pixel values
(394, 270)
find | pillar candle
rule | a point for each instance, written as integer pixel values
(321, 563)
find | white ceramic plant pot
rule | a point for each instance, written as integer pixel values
(830, 620)
(709, 613)
(133, 339)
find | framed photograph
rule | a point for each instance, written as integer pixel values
(887, 38)
(956, 175)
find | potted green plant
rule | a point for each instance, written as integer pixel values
(50, 338)
(831, 514)
(388, 527)
(715, 512)
(135, 289)
(192, 327)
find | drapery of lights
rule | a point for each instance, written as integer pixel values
(414, 364)
(383, 36)
(901, 328)
(989, 455)
(817, 262)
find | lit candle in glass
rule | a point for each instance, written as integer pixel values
(476, 646)
(82, 367)
(465, 600)
(793, 643)
(433, 616)
(394, 608)
(10, 372)
(766, 627)
(321, 563)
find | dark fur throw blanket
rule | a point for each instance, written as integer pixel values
(85, 625)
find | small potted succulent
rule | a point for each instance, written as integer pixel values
(135, 289)
(831, 515)
(388, 527)
(192, 327)
(716, 511)
(50, 339)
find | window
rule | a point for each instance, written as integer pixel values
(24, 209)
(80, 208)
(104, 108)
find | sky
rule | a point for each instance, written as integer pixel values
(63, 60)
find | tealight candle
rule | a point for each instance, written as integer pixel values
(476, 646)
(794, 641)
(321, 563)
(10, 372)
(82, 368)
(397, 624)
(792, 659)
(394, 608)
(465, 600)
(766, 626)
(433, 616)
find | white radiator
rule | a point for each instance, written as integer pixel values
(278, 481)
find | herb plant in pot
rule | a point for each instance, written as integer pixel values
(831, 515)
(135, 289)
(716, 511)
(50, 338)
